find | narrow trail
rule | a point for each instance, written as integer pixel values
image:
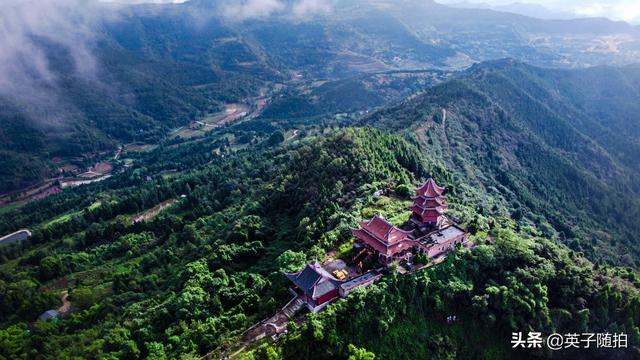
(118, 152)
(444, 130)
(272, 326)
(150, 213)
(444, 118)
(66, 304)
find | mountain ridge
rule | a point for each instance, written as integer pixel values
(495, 128)
(160, 66)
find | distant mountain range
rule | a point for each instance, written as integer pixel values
(526, 9)
(160, 67)
(228, 147)
(540, 165)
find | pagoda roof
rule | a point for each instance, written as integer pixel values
(377, 244)
(439, 208)
(429, 202)
(422, 210)
(314, 280)
(430, 189)
(383, 231)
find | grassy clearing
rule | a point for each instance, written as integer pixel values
(10, 207)
(95, 205)
(391, 208)
(139, 147)
(62, 218)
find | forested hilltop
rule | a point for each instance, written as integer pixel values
(559, 149)
(191, 279)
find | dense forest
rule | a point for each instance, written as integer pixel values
(511, 283)
(191, 279)
(541, 142)
(242, 148)
(199, 272)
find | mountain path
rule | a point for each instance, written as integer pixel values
(444, 130)
(66, 304)
(272, 326)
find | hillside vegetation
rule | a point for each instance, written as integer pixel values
(542, 143)
(161, 66)
(201, 271)
(195, 276)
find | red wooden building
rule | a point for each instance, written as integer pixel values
(390, 242)
(318, 288)
(441, 241)
(315, 286)
(428, 205)
(432, 233)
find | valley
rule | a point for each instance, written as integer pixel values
(127, 101)
(361, 180)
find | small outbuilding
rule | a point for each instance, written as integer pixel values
(315, 286)
(49, 314)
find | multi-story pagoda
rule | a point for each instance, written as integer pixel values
(429, 231)
(428, 205)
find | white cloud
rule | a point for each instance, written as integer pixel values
(306, 7)
(249, 9)
(26, 76)
(246, 9)
(29, 27)
(145, 1)
(627, 10)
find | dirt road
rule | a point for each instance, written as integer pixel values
(66, 304)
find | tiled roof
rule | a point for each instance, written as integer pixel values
(443, 235)
(313, 280)
(49, 314)
(323, 287)
(430, 189)
(360, 280)
(367, 238)
(382, 230)
(430, 211)
(429, 202)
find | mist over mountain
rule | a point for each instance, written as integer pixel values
(73, 77)
(195, 179)
(526, 9)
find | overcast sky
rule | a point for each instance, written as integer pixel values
(628, 10)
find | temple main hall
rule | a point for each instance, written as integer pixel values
(428, 231)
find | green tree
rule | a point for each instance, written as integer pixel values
(290, 261)
(360, 354)
(13, 340)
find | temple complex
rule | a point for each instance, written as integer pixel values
(388, 241)
(428, 231)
